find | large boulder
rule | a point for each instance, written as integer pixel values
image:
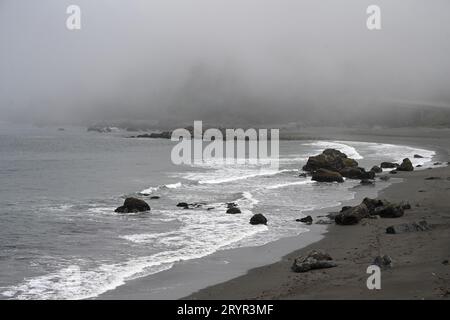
(352, 215)
(330, 159)
(258, 219)
(357, 173)
(133, 205)
(313, 260)
(406, 165)
(324, 175)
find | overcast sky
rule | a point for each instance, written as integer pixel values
(213, 59)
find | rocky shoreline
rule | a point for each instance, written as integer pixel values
(405, 231)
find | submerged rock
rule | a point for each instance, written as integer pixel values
(367, 182)
(308, 220)
(418, 156)
(315, 259)
(133, 205)
(406, 165)
(324, 175)
(183, 205)
(258, 219)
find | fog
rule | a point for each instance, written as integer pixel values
(249, 61)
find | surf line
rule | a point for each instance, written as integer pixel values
(235, 142)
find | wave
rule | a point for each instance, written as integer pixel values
(283, 185)
(150, 190)
(350, 151)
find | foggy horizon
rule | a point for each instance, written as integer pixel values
(219, 60)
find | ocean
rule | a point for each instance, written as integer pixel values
(61, 239)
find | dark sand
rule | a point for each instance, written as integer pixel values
(418, 271)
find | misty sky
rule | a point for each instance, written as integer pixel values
(218, 59)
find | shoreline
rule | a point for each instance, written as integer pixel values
(417, 273)
(197, 274)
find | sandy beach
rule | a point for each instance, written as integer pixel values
(420, 267)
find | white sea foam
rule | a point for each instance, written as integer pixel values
(150, 190)
(350, 151)
(283, 185)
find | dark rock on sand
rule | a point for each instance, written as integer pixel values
(367, 182)
(389, 165)
(385, 178)
(324, 175)
(393, 172)
(352, 215)
(376, 169)
(133, 205)
(389, 211)
(183, 205)
(408, 227)
(406, 165)
(258, 219)
(357, 173)
(314, 260)
(383, 262)
(308, 220)
(330, 159)
(234, 210)
(433, 178)
(155, 197)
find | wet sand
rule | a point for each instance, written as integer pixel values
(419, 270)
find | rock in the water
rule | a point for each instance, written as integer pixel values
(307, 220)
(234, 210)
(314, 260)
(433, 178)
(385, 178)
(393, 172)
(406, 165)
(183, 205)
(408, 227)
(418, 156)
(133, 205)
(155, 197)
(258, 219)
(383, 262)
(324, 175)
(389, 165)
(352, 215)
(357, 173)
(155, 135)
(330, 159)
(376, 169)
(303, 175)
(367, 182)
